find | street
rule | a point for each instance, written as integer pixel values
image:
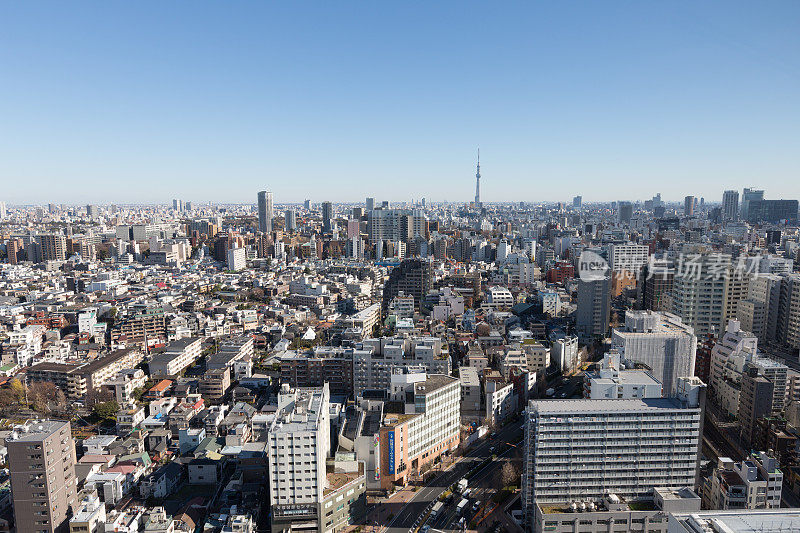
(408, 515)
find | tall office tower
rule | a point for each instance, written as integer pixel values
(353, 228)
(788, 331)
(750, 195)
(660, 342)
(577, 201)
(357, 213)
(3, 212)
(327, 217)
(594, 308)
(370, 204)
(187, 206)
(41, 457)
(355, 247)
(730, 206)
(758, 313)
(299, 442)
(654, 286)
(478, 182)
(688, 206)
(773, 211)
(698, 293)
(625, 212)
(265, 212)
(307, 205)
(177, 205)
(413, 277)
(584, 450)
(290, 220)
(628, 257)
(54, 247)
(755, 401)
(91, 210)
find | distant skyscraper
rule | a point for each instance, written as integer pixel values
(265, 212)
(594, 308)
(91, 211)
(688, 206)
(187, 206)
(290, 220)
(307, 205)
(577, 201)
(730, 206)
(177, 205)
(327, 217)
(478, 182)
(625, 212)
(54, 247)
(370, 203)
(750, 195)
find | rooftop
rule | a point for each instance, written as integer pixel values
(583, 406)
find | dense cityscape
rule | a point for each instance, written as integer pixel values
(400, 367)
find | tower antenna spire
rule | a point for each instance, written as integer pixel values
(478, 182)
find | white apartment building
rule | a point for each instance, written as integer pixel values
(564, 353)
(584, 450)
(237, 259)
(758, 313)
(755, 483)
(499, 298)
(374, 359)
(298, 446)
(628, 257)
(729, 356)
(612, 381)
(501, 402)
(178, 355)
(661, 342)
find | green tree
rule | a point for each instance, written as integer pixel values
(106, 410)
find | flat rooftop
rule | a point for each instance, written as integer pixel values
(585, 407)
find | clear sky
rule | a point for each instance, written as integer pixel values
(145, 101)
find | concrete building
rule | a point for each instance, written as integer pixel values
(698, 294)
(755, 483)
(660, 342)
(265, 212)
(755, 401)
(178, 356)
(90, 516)
(564, 353)
(41, 458)
(299, 443)
(236, 259)
(427, 428)
(612, 381)
(730, 206)
(584, 450)
(470, 391)
(594, 308)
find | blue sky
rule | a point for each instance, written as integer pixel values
(146, 101)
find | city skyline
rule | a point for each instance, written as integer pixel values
(343, 102)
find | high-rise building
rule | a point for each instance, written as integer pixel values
(654, 286)
(594, 308)
(3, 212)
(327, 217)
(659, 342)
(625, 212)
(577, 201)
(788, 330)
(177, 205)
(730, 206)
(688, 206)
(773, 211)
(307, 205)
(413, 277)
(755, 401)
(370, 204)
(584, 450)
(758, 313)
(41, 458)
(54, 247)
(290, 220)
(750, 195)
(628, 258)
(91, 211)
(265, 211)
(698, 294)
(298, 445)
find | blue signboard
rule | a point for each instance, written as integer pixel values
(391, 453)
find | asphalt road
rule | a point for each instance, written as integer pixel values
(408, 516)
